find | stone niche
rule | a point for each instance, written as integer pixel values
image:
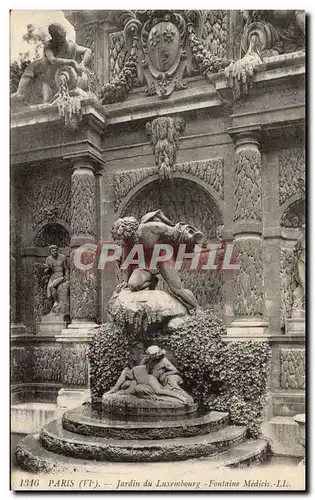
(184, 200)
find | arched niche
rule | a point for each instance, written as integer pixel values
(293, 216)
(185, 201)
(52, 234)
(180, 200)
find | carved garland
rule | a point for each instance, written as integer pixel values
(248, 285)
(90, 42)
(117, 54)
(164, 133)
(215, 32)
(83, 294)
(50, 201)
(247, 186)
(74, 366)
(119, 88)
(206, 62)
(83, 212)
(265, 33)
(291, 173)
(292, 368)
(46, 362)
(210, 171)
(20, 365)
(287, 283)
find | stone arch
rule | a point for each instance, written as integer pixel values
(55, 233)
(154, 181)
(293, 214)
(182, 199)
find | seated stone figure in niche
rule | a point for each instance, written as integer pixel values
(40, 81)
(57, 267)
(155, 378)
(299, 275)
(155, 227)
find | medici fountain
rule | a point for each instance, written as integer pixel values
(175, 128)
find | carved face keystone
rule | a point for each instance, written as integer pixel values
(163, 45)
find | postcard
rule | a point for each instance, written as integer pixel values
(157, 208)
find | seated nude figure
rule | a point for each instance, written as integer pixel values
(57, 53)
(155, 227)
(140, 380)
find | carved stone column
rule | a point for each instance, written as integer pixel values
(248, 302)
(83, 286)
(83, 231)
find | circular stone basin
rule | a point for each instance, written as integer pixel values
(129, 405)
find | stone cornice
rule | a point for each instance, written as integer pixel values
(213, 94)
(200, 94)
(47, 113)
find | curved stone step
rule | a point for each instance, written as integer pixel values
(86, 421)
(33, 457)
(54, 438)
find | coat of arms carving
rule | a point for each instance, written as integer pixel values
(162, 40)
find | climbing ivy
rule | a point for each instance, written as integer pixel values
(108, 355)
(244, 390)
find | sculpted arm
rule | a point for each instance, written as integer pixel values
(169, 369)
(47, 266)
(58, 61)
(86, 55)
(66, 268)
(163, 218)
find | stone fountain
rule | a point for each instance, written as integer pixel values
(150, 413)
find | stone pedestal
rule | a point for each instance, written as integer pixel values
(51, 325)
(296, 324)
(29, 418)
(247, 329)
(300, 420)
(74, 368)
(283, 435)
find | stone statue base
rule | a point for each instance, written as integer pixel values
(160, 407)
(295, 326)
(147, 307)
(50, 325)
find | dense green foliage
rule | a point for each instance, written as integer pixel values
(244, 390)
(108, 355)
(221, 376)
(199, 352)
